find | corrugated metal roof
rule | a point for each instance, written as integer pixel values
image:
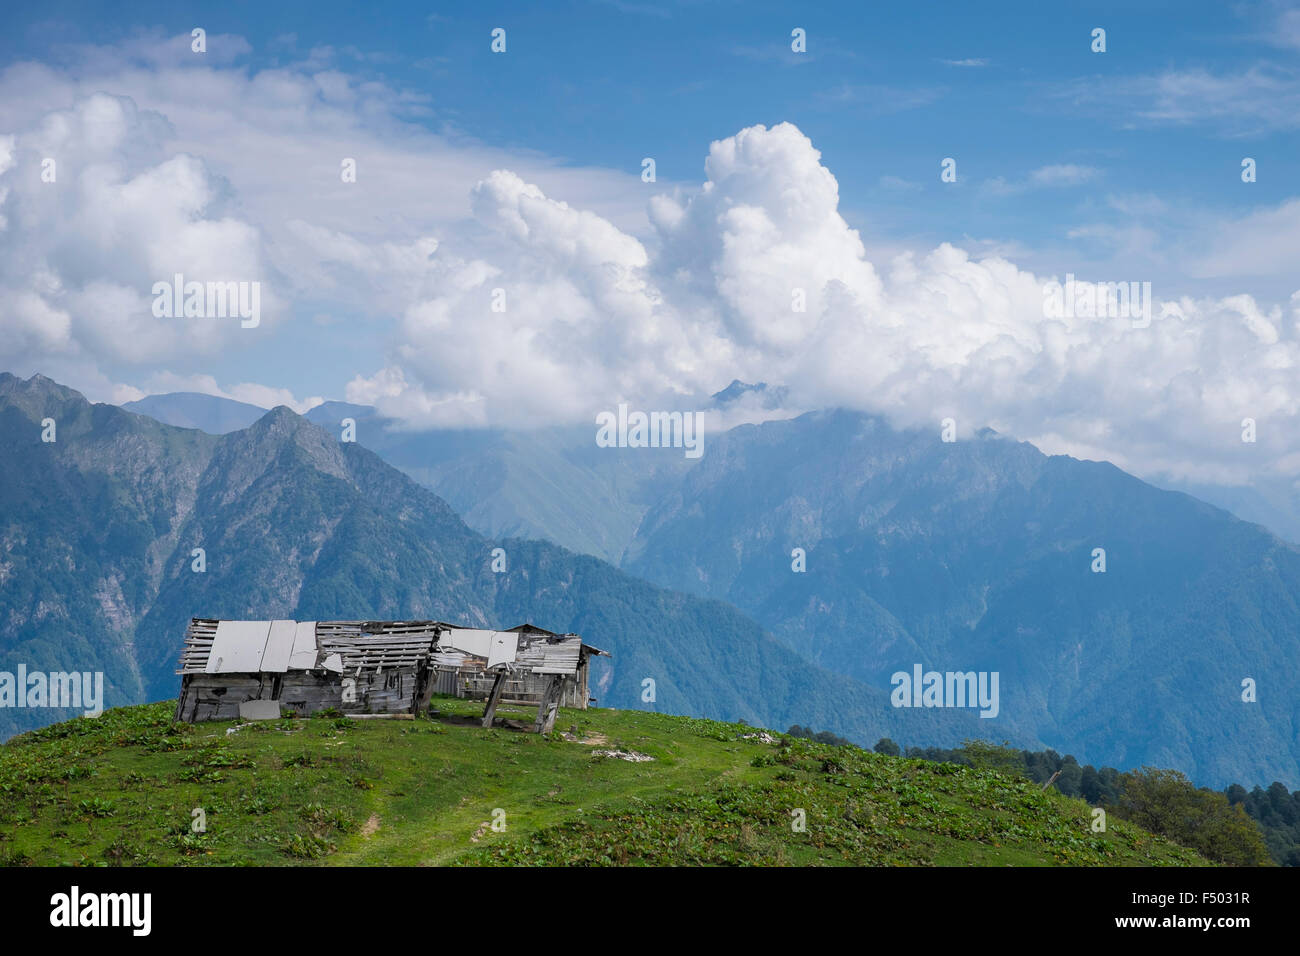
(279, 647)
(303, 657)
(469, 640)
(238, 647)
(547, 657)
(534, 629)
(505, 646)
(224, 647)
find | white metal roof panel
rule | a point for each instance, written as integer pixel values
(279, 647)
(238, 647)
(470, 640)
(303, 656)
(505, 645)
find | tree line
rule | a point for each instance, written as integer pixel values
(1235, 826)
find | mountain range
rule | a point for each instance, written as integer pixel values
(977, 555)
(99, 530)
(984, 555)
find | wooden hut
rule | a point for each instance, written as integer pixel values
(522, 665)
(257, 669)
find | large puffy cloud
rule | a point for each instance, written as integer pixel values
(201, 168)
(170, 161)
(764, 228)
(555, 312)
(594, 317)
(95, 212)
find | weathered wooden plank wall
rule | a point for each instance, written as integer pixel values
(217, 696)
(521, 689)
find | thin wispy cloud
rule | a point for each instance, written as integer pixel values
(1251, 101)
(877, 99)
(1045, 177)
(898, 184)
(1065, 174)
(1285, 31)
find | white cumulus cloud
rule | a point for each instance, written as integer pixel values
(594, 317)
(485, 287)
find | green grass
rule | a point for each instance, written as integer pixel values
(122, 789)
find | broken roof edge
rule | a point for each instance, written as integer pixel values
(200, 639)
(407, 622)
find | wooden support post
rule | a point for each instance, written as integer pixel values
(550, 704)
(565, 684)
(544, 704)
(549, 724)
(424, 690)
(493, 698)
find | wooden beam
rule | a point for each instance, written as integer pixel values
(398, 715)
(549, 724)
(494, 698)
(549, 704)
(561, 686)
(423, 693)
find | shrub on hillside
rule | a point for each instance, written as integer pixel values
(1167, 803)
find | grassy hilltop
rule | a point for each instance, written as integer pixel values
(123, 788)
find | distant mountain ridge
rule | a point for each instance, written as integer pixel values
(209, 413)
(97, 554)
(552, 484)
(617, 488)
(980, 555)
(974, 554)
(769, 397)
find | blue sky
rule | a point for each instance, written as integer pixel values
(606, 83)
(1116, 166)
